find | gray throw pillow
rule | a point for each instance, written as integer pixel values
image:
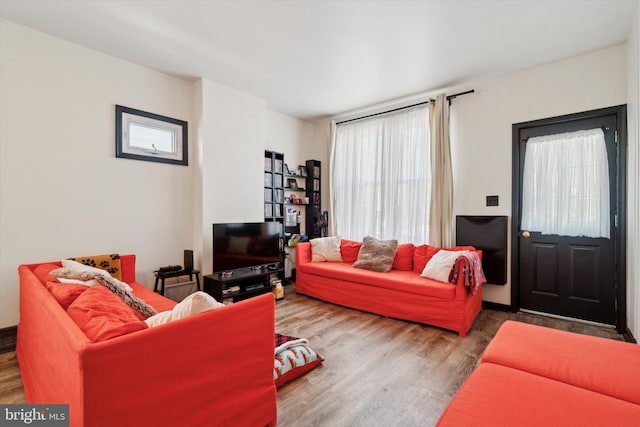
(376, 255)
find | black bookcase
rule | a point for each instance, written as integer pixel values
(273, 186)
(315, 220)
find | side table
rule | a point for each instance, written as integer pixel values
(160, 276)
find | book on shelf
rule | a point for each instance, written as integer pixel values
(268, 179)
(267, 164)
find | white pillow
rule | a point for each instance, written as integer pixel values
(79, 267)
(197, 302)
(326, 249)
(440, 265)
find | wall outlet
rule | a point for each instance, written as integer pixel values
(492, 200)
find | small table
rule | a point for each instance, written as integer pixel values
(166, 275)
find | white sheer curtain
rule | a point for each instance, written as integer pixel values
(381, 177)
(565, 185)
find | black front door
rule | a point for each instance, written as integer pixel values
(575, 277)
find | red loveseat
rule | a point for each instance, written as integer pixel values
(212, 368)
(535, 376)
(400, 293)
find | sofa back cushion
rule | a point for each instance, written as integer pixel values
(103, 315)
(403, 259)
(421, 256)
(349, 250)
(43, 272)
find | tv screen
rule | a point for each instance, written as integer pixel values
(242, 245)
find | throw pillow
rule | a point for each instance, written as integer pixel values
(376, 255)
(198, 302)
(102, 315)
(76, 268)
(109, 263)
(403, 259)
(293, 357)
(65, 294)
(440, 265)
(349, 250)
(325, 249)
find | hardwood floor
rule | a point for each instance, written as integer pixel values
(377, 371)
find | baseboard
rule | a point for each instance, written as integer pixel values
(495, 306)
(8, 339)
(628, 336)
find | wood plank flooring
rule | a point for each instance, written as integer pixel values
(377, 371)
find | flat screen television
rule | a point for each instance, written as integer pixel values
(247, 244)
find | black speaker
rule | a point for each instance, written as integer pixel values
(188, 260)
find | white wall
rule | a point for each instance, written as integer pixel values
(481, 126)
(232, 142)
(633, 182)
(63, 192)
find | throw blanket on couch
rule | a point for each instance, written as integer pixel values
(470, 266)
(114, 285)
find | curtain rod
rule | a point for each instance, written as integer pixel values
(449, 98)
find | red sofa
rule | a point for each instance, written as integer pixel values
(535, 376)
(400, 293)
(213, 368)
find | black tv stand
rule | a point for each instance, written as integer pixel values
(242, 283)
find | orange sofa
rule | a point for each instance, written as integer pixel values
(400, 293)
(535, 376)
(213, 368)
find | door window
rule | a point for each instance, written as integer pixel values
(565, 185)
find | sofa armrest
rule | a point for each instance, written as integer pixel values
(218, 363)
(303, 253)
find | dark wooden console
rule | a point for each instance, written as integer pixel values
(243, 283)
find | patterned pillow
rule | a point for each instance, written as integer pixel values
(293, 357)
(109, 263)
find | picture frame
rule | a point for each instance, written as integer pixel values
(141, 135)
(286, 169)
(302, 170)
(292, 183)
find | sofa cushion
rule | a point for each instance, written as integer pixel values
(376, 255)
(109, 263)
(154, 299)
(65, 293)
(598, 364)
(496, 395)
(102, 315)
(349, 250)
(403, 260)
(325, 249)
(405, 281)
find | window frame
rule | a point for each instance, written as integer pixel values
(125, 149)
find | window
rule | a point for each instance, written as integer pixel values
(146, 136)
(565, 185)
(381, 177)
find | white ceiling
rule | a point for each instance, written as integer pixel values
(317, 58)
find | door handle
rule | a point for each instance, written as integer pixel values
(525, 234)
